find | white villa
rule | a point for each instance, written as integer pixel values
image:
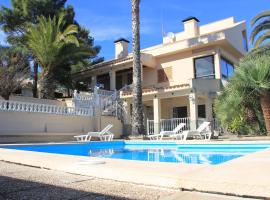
(181, 76)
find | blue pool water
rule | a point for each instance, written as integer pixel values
(155, 152)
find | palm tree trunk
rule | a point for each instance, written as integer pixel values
(47, 86)
(265, 105)
(137, 114)
(35, 80)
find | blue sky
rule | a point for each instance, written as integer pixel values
(109, 20)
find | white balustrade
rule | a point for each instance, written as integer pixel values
(18, 106)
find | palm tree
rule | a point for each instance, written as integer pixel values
(248, 93)
(255, 74)
(264, 27)
(52, 45)
(137, 114)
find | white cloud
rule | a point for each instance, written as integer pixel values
(109, 32)
(110, 28)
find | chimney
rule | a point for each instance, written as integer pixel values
(121, 48)
(191, 27)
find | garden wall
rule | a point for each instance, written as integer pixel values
(40, 127)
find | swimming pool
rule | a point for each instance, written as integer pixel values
(154, 152)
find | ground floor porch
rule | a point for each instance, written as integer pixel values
(166, 111)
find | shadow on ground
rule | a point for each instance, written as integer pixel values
(13, 189)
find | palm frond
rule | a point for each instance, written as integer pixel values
(265, 25)
(71, 29)
(260, 16)
(262, 38)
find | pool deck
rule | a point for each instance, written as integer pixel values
(245, 176)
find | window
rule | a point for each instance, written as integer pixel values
(204, 67)
(119, 81)
(227, 69)
(129, 78)
(180, 112)
(104, 81)
(162, 76)
(201, 111)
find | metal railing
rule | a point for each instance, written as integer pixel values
(167, 124)
(170, 124)
(18, 106)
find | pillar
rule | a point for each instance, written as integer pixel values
(217, 64)
(112, 80)
(209, 108)
(93, 82)
(193, 110)
(157, 114)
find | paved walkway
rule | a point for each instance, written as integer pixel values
(24, 182)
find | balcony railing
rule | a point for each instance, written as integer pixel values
(170, 124)
(167, 124)
(44, 108)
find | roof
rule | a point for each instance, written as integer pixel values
(121, 39)
(190, 18)
(103, 64)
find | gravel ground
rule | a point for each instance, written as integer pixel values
(19, 182)
(23, 182)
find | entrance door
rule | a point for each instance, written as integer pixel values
(180, 112)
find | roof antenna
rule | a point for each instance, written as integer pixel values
(162, 20)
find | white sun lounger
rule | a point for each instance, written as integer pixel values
(104, 135)
(174, 133)
(202, 132)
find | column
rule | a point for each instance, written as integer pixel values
(209, 108)
(193, 110)
(112, 80)
(157, 114)
(217, 64)
(93, 82)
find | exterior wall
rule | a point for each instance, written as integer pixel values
(117, 128)
(19, 127)
(235, 37)
(182, 65)
(149, 77)
(167, 105)
(13, 123)
(217, 26)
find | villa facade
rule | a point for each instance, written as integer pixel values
(180, 77)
